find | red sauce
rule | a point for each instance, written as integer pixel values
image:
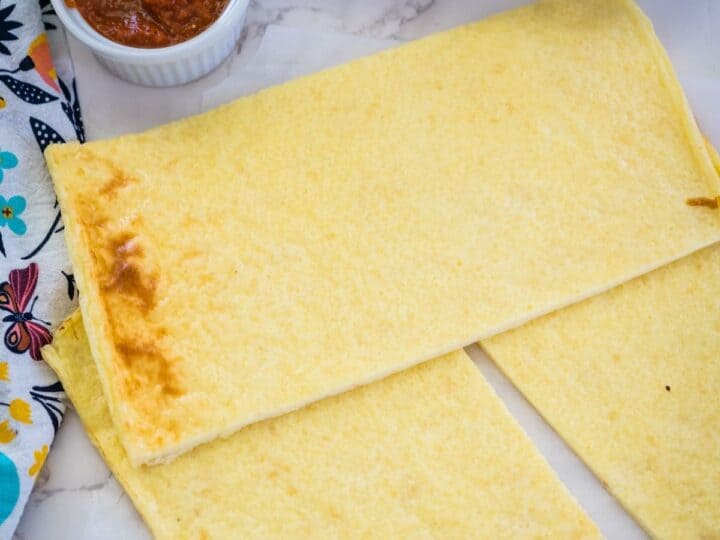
(149, 23)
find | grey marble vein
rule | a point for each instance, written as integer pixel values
(42, 494)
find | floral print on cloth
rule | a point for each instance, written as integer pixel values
(38, 106)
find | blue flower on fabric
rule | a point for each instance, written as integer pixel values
(9, 487)
(9, 212)
(8, 160)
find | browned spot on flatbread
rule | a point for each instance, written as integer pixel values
(148, 366)
(130, 290)
(128, 277)
(118, 181)
(116, 178)
(89, 214)
(707, 202)
(128, 273)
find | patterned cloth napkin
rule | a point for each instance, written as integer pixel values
(38, 106)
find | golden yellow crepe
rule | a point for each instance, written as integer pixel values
(631, 380)
(427, 453)
(327, 232)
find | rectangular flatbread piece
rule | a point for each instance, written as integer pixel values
(327, 232)
(631, 380)
(427, 453)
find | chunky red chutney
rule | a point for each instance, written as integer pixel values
(149, 23)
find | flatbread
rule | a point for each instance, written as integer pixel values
(330, 231)
(631, 380)
(428, 453)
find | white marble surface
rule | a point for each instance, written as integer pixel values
(76, 497)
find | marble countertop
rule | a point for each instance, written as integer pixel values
(76, 496)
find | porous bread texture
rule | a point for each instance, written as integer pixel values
(630, 380)
(327, 232)
(427, 453)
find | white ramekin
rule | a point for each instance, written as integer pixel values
(166, 66)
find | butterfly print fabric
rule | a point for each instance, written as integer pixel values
(26, 332)
(38, 106)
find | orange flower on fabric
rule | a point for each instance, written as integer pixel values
(7, 435)
(20, 411)
(40, 456)
(39, 52)
(4, 371)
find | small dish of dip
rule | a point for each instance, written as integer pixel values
(156, 42)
